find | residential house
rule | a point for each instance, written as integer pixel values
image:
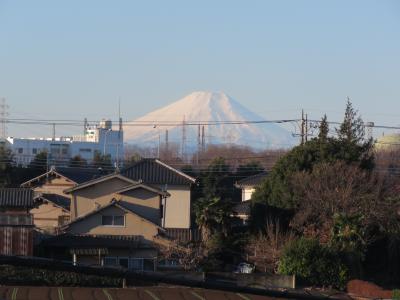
(124, 217)
(16, 224)
(52, 205)
(248, 186)
(121, 220)
(178, 184)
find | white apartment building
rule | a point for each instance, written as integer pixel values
(101, 138)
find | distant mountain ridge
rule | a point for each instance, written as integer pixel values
(207, 107)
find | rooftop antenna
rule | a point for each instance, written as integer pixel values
(3, 116)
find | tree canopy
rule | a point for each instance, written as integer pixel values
(349, 146)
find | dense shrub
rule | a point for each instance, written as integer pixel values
(12, 275)
(313, 263)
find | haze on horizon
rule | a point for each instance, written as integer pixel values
(75, 59)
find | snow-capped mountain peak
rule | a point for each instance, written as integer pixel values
(207, 107)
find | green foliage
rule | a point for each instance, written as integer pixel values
(12, 275)
(39, 162)
(213, 215)
(5, 165)
(102, 161)
(348, 234)
(313, 263)
(77, 161)
(349, 147)
(323, 129)
(213, 179)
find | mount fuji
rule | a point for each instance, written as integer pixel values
(181, 118)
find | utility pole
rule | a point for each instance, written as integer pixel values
(306, 130)
(183, 142)
(198, 145)
(302, 127)
(166, 142)
(54, 132)
(203, 140)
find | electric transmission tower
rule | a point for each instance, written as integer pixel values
(3, 118)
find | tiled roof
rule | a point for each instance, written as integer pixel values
(143, 186)
(61, 201)
(80, 175)
(76, 175)
(99, 180)
(243, 208)
(16, 197)
(252, 181)
(153, 171)
(90, 241)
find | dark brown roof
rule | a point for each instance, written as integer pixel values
(61, 201)
(252, 181)
(243, 208)
(99, 180)
(76, 175)
(90, 241)
(153, 171)
(16, 197)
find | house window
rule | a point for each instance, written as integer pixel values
(110, 261)
(20, 150)
(136, 264)
(124, 262)
(34, 151)
(112, 220)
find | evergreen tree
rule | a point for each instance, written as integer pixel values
(323, 129)
(352, 128)
(40, 161)
(350, 147)
(6, 160)
(77, 161)
(102, 161)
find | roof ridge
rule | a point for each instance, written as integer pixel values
(95, 180)
(175, 170)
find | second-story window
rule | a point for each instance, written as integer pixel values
(109, 220)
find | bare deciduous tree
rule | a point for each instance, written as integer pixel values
(339, 188)
(264, 249)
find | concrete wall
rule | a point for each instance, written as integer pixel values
(144, 202)
(134, 225)
(177, 208)
(247, 193)
(46, 216)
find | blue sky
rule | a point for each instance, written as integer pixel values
(71, 59)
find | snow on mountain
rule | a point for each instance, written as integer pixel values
(206, 107)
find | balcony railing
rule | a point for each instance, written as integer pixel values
(16, 220)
